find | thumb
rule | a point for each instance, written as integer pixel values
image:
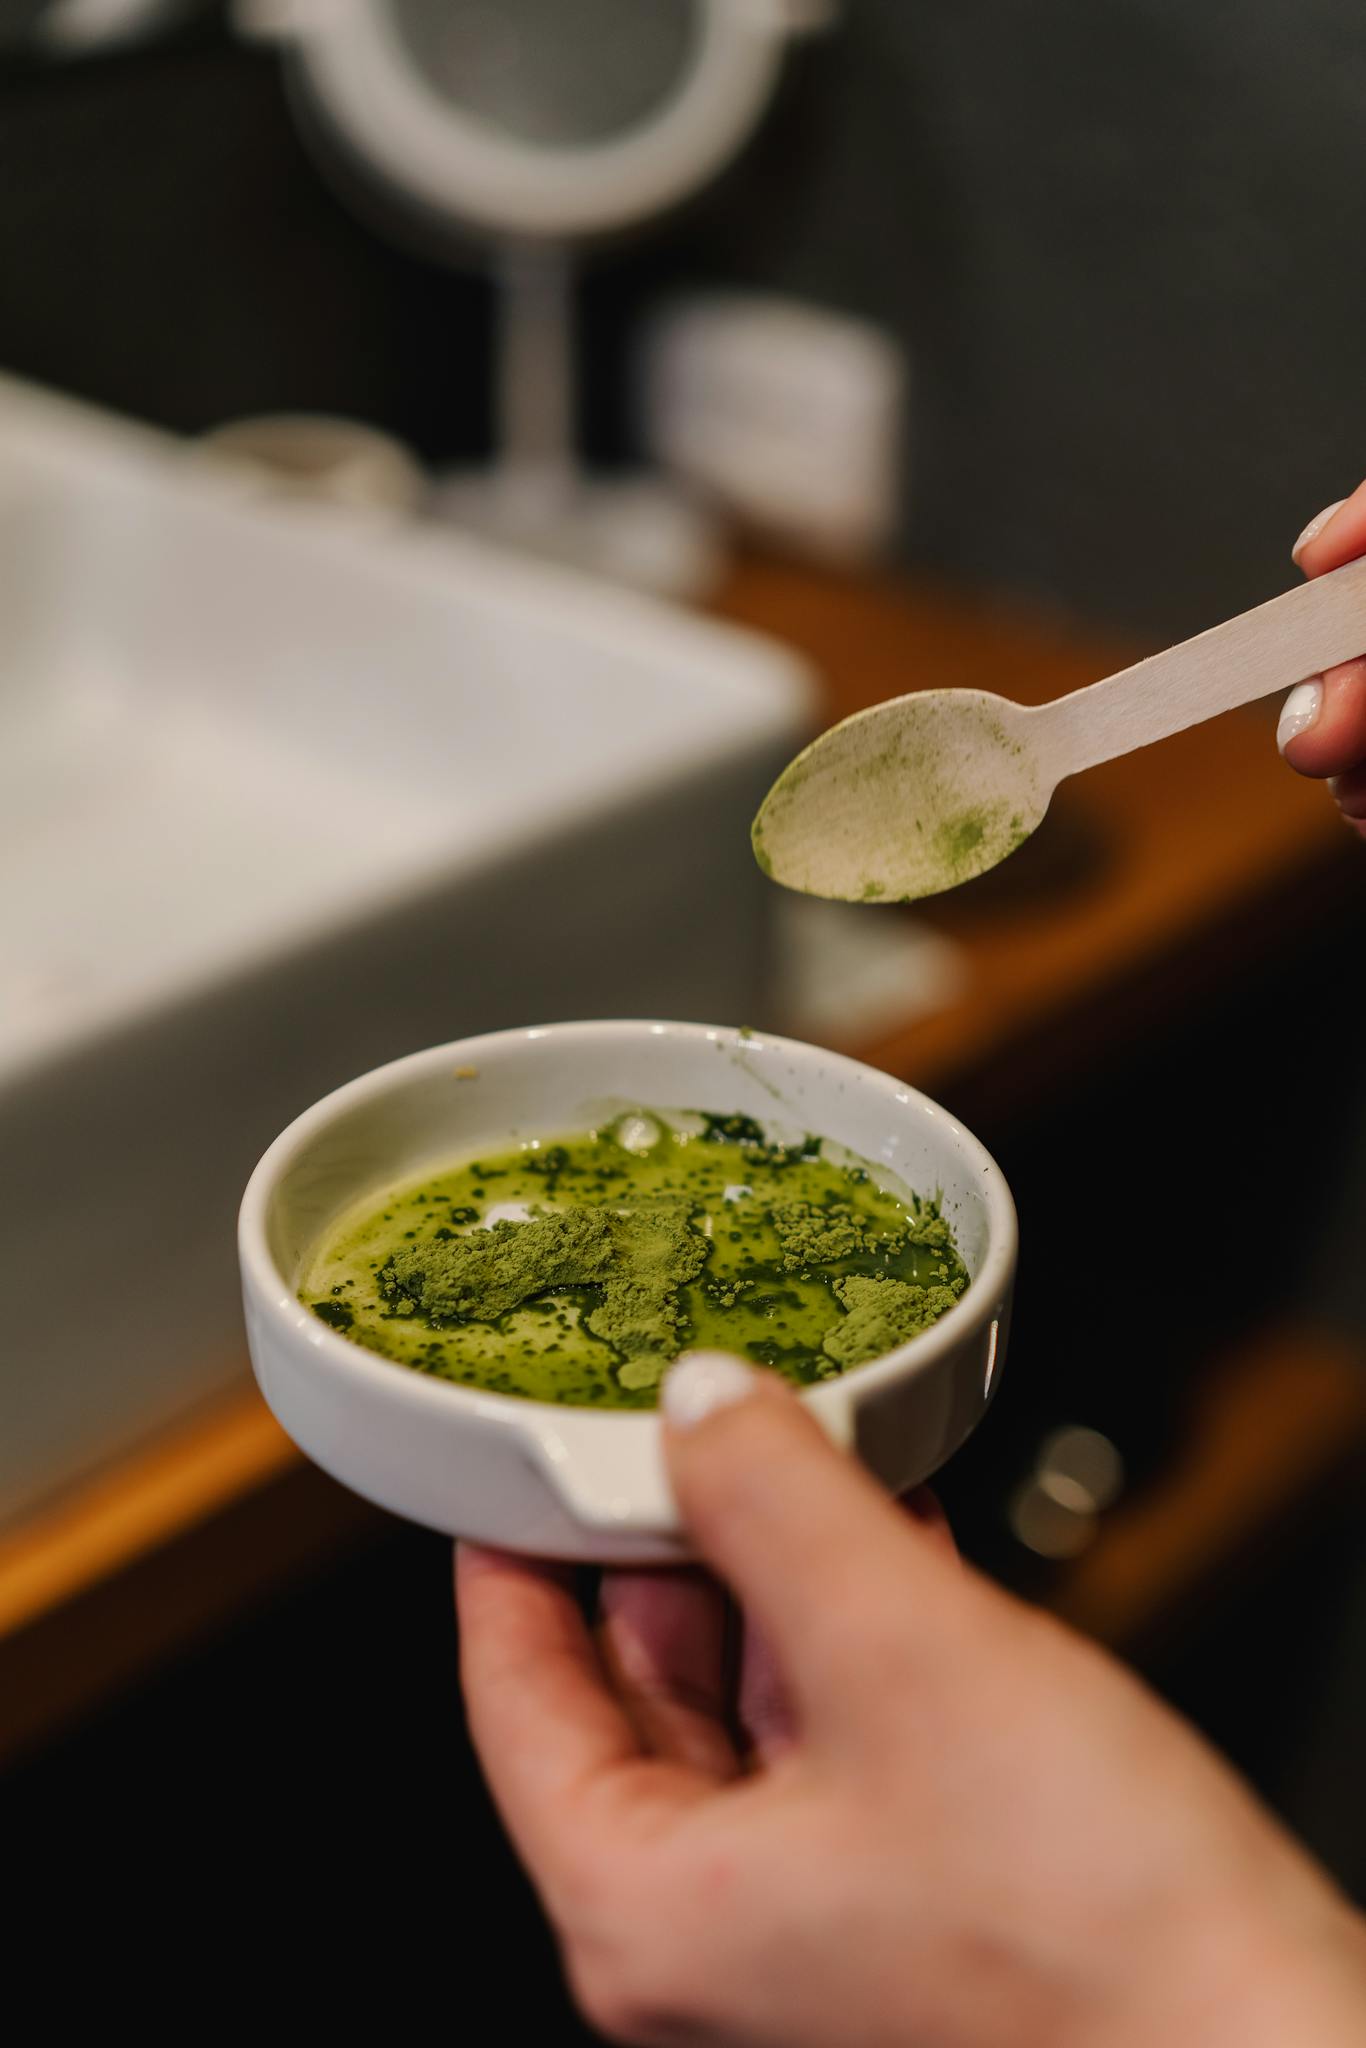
(1323, 730)
(831, 1571)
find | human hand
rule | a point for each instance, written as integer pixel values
(1323, 723)
(932, 1817)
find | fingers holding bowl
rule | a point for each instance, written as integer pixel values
(663, 1638)
(564, 1758)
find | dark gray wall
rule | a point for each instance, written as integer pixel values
(1124, 239)
(1151, 369)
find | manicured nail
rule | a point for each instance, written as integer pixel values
(1315, 527)
(1300, 710)
(700, 1382)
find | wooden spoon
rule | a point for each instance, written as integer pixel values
(923, 792)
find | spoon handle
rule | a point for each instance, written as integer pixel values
(1269, 648)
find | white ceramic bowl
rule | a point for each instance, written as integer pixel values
(579, 1482)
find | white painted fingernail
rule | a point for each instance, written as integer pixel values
(1300, 710)
(700, 1382)
(1316, 526)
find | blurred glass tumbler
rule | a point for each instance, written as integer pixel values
(789, 416)
(315, 457)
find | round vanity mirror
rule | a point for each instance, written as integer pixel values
(545, 118)
(535, 125)
(552, 75)
(541, 117)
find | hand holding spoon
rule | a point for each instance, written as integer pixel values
(923, 792)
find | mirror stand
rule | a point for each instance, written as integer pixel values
(536, 495)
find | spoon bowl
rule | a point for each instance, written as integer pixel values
(906, 799)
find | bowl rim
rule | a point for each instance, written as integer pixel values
(276, 1294)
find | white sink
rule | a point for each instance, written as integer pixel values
(282, 796)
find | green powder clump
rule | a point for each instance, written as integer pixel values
(637, 1257)
(930, 1229)
(881, 1314)
(812, 1233)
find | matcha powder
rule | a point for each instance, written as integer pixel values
(882, 1314)
(639, 1258)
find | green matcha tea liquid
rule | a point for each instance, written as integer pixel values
(575, 1270)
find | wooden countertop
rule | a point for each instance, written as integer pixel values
(1152, 872)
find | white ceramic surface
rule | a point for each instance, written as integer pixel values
(575, 1482)
(278, 800)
